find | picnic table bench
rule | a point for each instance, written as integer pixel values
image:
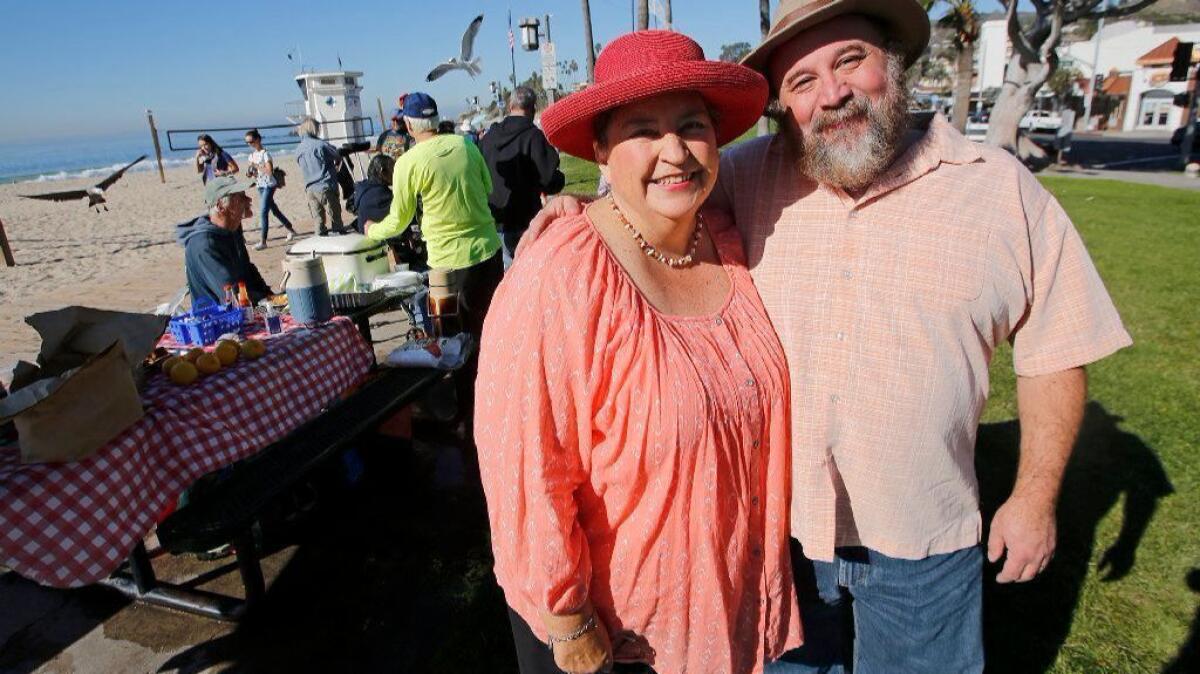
(226, 511)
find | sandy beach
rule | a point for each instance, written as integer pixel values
(126, 258)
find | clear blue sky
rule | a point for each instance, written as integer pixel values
(81, 67)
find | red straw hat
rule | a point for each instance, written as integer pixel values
(648, 63)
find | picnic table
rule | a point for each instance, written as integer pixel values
(73, 524)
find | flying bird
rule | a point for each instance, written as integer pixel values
(94, 194)
(464, 60)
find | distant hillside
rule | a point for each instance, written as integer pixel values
(1172, 11)
(1161, 12)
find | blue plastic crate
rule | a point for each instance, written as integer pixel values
(205, 323)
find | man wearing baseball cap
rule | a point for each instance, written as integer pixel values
(215, 254)
(893, 258)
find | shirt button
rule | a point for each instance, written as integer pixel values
(841, 336)
(834, 398)
(756, 444)
(853, 215)
(847, 274)
(718, 321)
(754, 500)
(750, 383)
(757, 551)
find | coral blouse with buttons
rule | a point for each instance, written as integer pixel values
(638, 459)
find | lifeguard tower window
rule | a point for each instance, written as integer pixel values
(1180, 64)
(330, 80)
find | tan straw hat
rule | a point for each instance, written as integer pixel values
(904, 21)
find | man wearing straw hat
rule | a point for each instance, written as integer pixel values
(893, 258)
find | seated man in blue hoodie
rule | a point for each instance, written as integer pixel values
(215, 252)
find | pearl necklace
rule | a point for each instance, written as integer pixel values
(654, 253)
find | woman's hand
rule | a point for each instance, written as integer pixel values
(591, 652)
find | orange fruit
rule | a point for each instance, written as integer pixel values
(170, 363)
(183, 373)
(208, 364)
(193, 354)
(252, 348)
(227, 352)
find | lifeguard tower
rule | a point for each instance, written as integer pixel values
(332, 98)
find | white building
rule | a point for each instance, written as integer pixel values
(333, 99)
(1131, 57)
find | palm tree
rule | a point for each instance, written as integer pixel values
(591, 46)
(643, 14)
(962, 21)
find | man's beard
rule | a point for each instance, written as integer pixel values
(852, 158)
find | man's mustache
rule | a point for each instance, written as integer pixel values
(854, 109)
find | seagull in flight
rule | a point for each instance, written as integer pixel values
(94, 194)
(463, 61)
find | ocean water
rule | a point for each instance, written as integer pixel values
(96, 156)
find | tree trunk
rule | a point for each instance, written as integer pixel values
(764, 25)
(963, 80)
(591, 45)
(1022, 81)
(643, 14)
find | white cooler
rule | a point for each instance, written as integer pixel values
(348, 254)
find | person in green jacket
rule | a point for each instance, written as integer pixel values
(452, 179)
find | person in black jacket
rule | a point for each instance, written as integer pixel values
(215, 252)
(524, 166)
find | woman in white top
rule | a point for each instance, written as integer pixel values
(262, 169)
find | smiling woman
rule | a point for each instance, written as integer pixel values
(632, 418)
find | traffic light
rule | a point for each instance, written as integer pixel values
(1181, 62)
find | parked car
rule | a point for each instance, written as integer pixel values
(1041, 120)
(1177, 137)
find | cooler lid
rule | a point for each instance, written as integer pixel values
(334, 244)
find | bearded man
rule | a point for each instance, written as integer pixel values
(892, 258)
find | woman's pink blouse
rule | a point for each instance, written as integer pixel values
(638, 459)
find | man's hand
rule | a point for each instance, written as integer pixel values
(1026, 529)
(1050, 408)
(560, 206)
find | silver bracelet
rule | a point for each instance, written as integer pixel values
(583, 629)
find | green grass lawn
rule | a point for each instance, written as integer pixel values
(1134, 483)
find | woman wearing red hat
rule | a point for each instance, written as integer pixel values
(632, 417)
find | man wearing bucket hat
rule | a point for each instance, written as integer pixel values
(215, 254)
(893, 257)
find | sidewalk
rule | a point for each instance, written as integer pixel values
(1176, 179)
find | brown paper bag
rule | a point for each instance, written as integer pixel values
(69, 417)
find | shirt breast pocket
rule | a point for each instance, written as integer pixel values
(943, 261)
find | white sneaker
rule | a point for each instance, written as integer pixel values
(291, 235)
(261, 245)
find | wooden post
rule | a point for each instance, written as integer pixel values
(382, 119)
(8, 256)
(157, 148)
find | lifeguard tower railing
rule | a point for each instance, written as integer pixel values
(273, 135)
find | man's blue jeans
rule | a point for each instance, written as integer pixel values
(869, 613)
(266, 205)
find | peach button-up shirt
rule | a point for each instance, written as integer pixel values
(889, 307)
(638, 459)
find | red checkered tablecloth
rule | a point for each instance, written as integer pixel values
(72, 524)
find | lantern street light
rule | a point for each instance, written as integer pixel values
(529, 33)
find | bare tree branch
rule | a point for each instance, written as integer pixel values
(1016, 36)
(1049, 46)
